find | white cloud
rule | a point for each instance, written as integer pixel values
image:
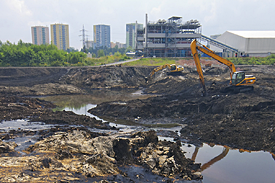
(216, 16)
(19, 7)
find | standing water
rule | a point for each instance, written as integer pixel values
(218, 163)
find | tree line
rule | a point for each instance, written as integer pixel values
(104, 51)
(269, 60)
(30, 55)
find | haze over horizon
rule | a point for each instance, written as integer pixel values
(215, 16)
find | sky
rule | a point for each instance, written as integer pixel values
(216, 16)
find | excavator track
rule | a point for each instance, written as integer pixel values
(237, 89)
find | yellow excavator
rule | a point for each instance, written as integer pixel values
(174, 69)
(238, 80)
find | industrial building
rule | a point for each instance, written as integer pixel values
(102, 36)
(249, 43)
(131, 31)
(40, 35)
(169, 38)
(60, 36)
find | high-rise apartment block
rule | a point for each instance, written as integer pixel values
(60, 36)
(131, 31)
(40, 35)
(102, 37)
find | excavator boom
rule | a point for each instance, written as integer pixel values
(198, 64)
(236, 78)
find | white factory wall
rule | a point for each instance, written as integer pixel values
(258, 47)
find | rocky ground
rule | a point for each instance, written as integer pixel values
(79, 155)
(68, 154)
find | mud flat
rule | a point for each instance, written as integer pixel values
(243, 121)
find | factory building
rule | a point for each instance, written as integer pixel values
(169, 38)
(249, 43)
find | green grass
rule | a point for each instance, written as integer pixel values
(151, 62)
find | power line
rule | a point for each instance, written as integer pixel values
(83, 38)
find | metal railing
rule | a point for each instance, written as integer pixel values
(219, 44)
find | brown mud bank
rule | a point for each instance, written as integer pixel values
(77, 155)
(243, 120)
(76, 80)
(33, 109)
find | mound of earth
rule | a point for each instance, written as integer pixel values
(243, 120)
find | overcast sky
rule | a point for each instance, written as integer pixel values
(215, 16)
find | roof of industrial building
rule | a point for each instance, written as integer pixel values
(254, 34)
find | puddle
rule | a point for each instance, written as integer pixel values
(24, 141)
(222, 164)
(219, 164)
(83, 111)
(23, 125)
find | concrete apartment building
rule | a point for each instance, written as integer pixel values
(118, 44)
(170, 38)
(60, 36)
(40, 35)
(89, 44)
(131, 31)
(102, 36)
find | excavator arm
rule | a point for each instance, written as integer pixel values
(173, 69)
(236, 78)
(204, 49)
(198, 64)
(158, 69)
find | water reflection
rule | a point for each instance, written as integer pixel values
(95, 97)
(222, 164)
(219, 163)
(212, 161)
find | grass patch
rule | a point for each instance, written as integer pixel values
(151, 62)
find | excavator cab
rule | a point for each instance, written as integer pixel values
(240, 79)
(237, 78)
(173, 67)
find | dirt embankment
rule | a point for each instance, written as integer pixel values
(243, 120)
(80, 80)
(66, 153)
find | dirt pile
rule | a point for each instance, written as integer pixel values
(33, 109)
(243, 120)
(81, 155)
(29, 76)
(80, 80)
(107, 77)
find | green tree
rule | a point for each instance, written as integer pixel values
(117, 54)
(100, 53)
(129, 49)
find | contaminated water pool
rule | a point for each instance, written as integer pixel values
(219, 164)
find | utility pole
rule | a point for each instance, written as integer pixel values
(83, 39)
